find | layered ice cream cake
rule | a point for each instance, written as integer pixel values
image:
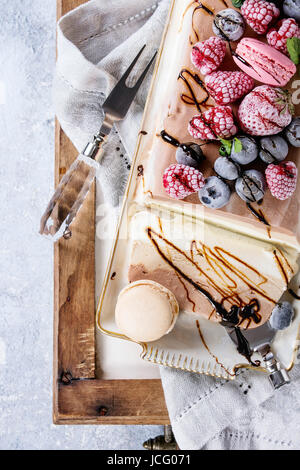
(223, 163)
(212, 271)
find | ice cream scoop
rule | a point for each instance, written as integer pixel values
(263, 63)
(146, 311)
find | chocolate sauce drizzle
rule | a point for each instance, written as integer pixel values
(274, 159)
(248, 181)
(217, 305)
(281, 267)
(140, 170)
(238, 313)
(233, 318)
(169, 139)
(186, 147)
(293, 294)
(191, 99)
(243, 346)
(236, 55)
(284, 273)
(258, 214)
(250, 313)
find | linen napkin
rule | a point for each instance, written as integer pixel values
(96, 43)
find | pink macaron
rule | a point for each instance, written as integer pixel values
(264, 63)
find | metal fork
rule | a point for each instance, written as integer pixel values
(76, 183)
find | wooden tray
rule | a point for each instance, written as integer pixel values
(78, 396)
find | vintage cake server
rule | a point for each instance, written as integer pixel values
(260, 340)
(75, 185)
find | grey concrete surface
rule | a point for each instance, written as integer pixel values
(27, 58)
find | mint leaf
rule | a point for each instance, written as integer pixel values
(237, 3)
(293, 47)
(227, 144)
(238, 146)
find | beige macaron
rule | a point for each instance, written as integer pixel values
(146, 311)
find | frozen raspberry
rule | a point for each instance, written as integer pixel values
(181, 181)
(282, 179)
(208, 55)
(217, 122)
(265, 111)
(227, 87)
(287, 28)
(259, 14)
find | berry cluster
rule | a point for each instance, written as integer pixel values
(250, 185)
(264, 115)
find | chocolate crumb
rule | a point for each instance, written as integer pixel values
(140, 170)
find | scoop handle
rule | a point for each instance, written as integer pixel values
(72, 191)
(68, 198)
(278, 375)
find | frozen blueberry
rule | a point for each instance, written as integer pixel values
(251, 186)
(215, 194)
(227, 169)
(273, 149)
(190, 155)
(282, 316)
(292, 132)
(249, 152)
(229, 24)
(291, 9)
